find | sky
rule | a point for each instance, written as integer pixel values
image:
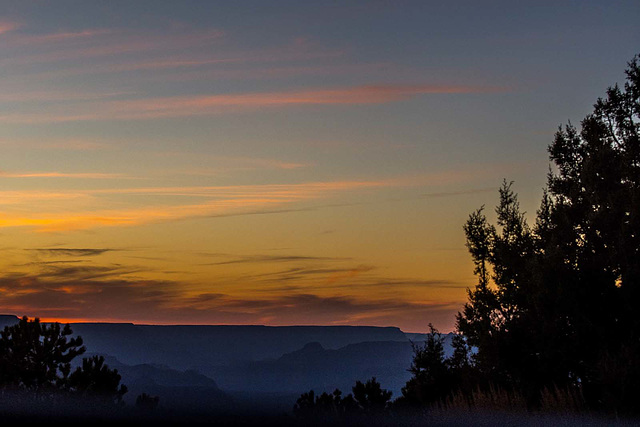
(282, 162)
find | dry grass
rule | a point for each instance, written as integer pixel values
(559, 401)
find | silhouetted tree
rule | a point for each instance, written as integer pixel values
(36, 356)
(555, 304)
(96, 381)
(371, 397)
(146, 402)
(431, 380)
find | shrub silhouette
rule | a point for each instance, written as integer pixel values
(368, 398)
(146, 402)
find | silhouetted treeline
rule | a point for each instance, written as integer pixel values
(368, 399)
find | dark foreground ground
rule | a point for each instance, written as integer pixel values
(132, 417)
(61, 410)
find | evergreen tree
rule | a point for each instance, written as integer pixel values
(371, 397)
(431, 380)
(95, 380)
(555, 304)
(36, 356)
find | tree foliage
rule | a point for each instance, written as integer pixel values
(555, 302)
(36, 357)
(95, 380)
(434, 376)
(431, 380)
(371, 397)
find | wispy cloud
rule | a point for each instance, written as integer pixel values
(6, 26)
(202, 105)
(225, 163)
(260, 259)
(57, 96)
(94, 293)
(216, 201)
(61, 175)
(73, 252)
(96, 43)
(63, 36)
(459, 193)
(52, 143)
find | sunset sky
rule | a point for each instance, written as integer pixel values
(278, 163)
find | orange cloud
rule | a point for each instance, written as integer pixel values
(218, 201)
(180, 106)
(162, 302)
(61, 175)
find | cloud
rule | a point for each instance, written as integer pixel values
(52, 143)
(203, 105)
(97, 43)
(91, 294)
(338, 279)
(226, 163)
(260, 259)
(215, 201)
(82, 273)
(57, 96)
(6, 26)
(61, 175)
(63, 36)
(459, 193)
(310, 290)
(119, 44)
(71, 251)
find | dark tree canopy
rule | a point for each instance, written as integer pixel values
(555, 303)
(95, 380)
(37, 356)
(371, 397)
(430, 380)
(435, 377)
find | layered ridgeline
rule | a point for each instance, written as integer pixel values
(196, 360)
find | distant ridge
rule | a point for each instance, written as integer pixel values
(193, 346)
(8, 320)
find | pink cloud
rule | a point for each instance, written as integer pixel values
(64, 36)
(6, 27)
(202, 105)
(45, 96)
(101, 43)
